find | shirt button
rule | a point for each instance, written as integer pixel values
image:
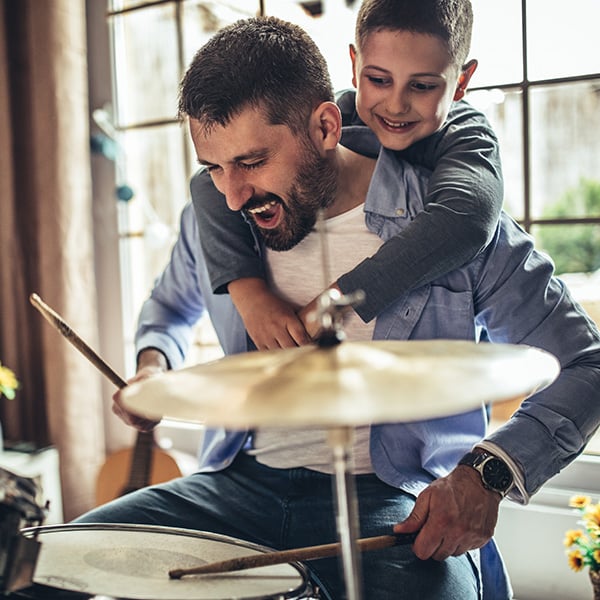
(399, 212)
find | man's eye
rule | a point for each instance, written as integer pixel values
(250, 166)
(211, 168)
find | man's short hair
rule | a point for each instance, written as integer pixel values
(449, 20)
(261, 62)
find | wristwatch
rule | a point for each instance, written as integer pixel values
(494, 472)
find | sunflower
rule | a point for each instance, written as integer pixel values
(8, 382)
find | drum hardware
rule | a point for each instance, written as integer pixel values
(340, 385)
(19, 507)
(130, 562)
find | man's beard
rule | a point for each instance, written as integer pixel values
(313, 189)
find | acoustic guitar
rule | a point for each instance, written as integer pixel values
(130, 469)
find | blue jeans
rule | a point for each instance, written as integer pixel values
(292, 508)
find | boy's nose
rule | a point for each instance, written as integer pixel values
(398, 104)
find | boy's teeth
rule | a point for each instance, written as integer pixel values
(393, 124)
(263, 208)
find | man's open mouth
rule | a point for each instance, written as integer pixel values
(267, 215)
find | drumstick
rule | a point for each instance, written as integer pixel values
(298, 554)
(56, 321)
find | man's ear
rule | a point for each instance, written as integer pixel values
(353, 59)
(464, 79)
(326, 126)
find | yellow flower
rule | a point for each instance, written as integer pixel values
(575, 560)
(8, 382)
(596, 555)
(571, 536)
(579, 501)
(591, 516)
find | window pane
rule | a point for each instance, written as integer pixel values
(336, 17)
(146, 64)
(496, 42)
(156, 170)
(201, 19)
(574, 248)
(565, 149)
(562, 38)
(504, 111)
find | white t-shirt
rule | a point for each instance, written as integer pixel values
(296, 276)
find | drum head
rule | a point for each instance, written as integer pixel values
(133, 562)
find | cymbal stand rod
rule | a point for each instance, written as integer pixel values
(340, 440)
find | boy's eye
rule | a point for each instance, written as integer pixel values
(423, 87)
(377, 80)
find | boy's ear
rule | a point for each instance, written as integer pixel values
(353, 59)
(326, 126)
(464, 79)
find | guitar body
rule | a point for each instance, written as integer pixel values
(133, 468)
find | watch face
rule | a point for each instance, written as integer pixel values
(497, 475)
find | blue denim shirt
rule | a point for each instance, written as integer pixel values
(508, 291)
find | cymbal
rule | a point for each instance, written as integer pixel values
(353, 383)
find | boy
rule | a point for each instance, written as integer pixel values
(410, 73)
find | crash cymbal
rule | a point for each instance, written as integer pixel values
(353, 383)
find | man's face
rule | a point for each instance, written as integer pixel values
(277, 178)
(405, 85)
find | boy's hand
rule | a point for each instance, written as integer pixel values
(310, 317)
(269, 321)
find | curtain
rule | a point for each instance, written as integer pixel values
(46, 238)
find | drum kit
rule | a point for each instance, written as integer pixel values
(334, 384)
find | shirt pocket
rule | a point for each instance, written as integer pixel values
(448, 314)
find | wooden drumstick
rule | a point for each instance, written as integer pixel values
(295, 555)
(56, 321)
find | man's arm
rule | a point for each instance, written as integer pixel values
(167, 317)
(517, 300)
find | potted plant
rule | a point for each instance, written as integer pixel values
(583, 545)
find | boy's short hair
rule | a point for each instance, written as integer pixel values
(450, 20)
(262, 62)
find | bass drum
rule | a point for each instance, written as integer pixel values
(132, 562)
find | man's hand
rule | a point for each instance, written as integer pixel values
(453, 515)
(150, 362)
(269, 321)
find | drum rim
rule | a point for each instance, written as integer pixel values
(302, 570)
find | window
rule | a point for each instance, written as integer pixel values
(538, 80)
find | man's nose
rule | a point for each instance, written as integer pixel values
(237, 190)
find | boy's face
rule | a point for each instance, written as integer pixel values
(405, 85)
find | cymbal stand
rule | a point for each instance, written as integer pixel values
(329, 314)
(340, 440)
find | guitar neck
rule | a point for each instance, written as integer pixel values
(141, 461)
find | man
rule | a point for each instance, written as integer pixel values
(263, 123)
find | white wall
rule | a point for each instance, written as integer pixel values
(531, 537)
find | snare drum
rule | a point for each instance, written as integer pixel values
(133, 562)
